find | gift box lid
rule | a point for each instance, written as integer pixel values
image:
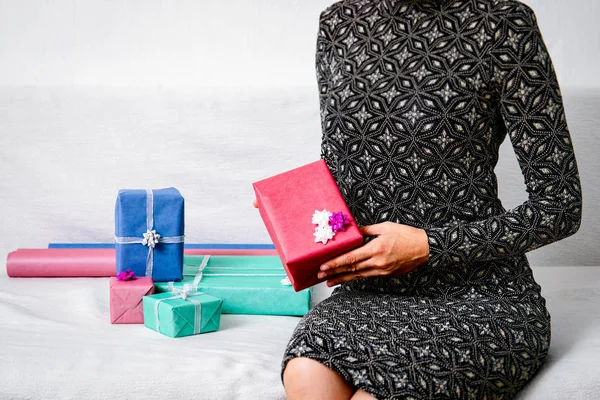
(237, 271)
(168, 208)
(136, 285)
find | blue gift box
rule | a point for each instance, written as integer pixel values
(149, 229)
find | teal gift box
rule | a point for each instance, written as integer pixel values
(247, 284)
(182, 313)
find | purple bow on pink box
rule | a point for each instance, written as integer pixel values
(126, 275)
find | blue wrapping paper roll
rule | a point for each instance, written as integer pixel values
(191, 246)
(131, 222)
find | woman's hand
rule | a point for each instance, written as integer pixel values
(255, 203)
(397, 250)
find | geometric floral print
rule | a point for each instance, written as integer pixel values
(416, 97)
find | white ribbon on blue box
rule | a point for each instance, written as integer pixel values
(149, 233)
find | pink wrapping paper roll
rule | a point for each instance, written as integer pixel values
(86, 263)
(61, 263)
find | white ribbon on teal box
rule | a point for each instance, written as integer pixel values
(182, 312)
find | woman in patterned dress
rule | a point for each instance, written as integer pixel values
(416, 97)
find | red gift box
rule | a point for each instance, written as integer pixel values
(126, 299)
(287, 203)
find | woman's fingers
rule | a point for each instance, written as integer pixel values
(352, 261)
(352, 276)
(373, 230)
(356, 267)
(255, 203)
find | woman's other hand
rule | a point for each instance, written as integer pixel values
(397, 250)
(255, 203)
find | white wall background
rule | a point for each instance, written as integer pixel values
(207, 96)
(233, 43)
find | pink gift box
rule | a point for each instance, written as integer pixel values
(287, 202)
(126, 299)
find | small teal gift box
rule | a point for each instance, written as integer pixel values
(149, 233)
(182, 312)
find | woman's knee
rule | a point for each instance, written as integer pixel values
(304, 378)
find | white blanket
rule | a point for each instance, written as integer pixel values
(57, 343)
(65, 153)
(98, 96)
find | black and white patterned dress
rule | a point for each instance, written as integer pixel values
(416, 98)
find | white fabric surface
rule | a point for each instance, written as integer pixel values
(572, 370)
(216, 42)
(98, 96)
(67, 150)
(57, 343)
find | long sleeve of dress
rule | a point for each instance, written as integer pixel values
(531, 107)
(323, 67)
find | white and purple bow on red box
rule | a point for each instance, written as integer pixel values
(328, 223)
